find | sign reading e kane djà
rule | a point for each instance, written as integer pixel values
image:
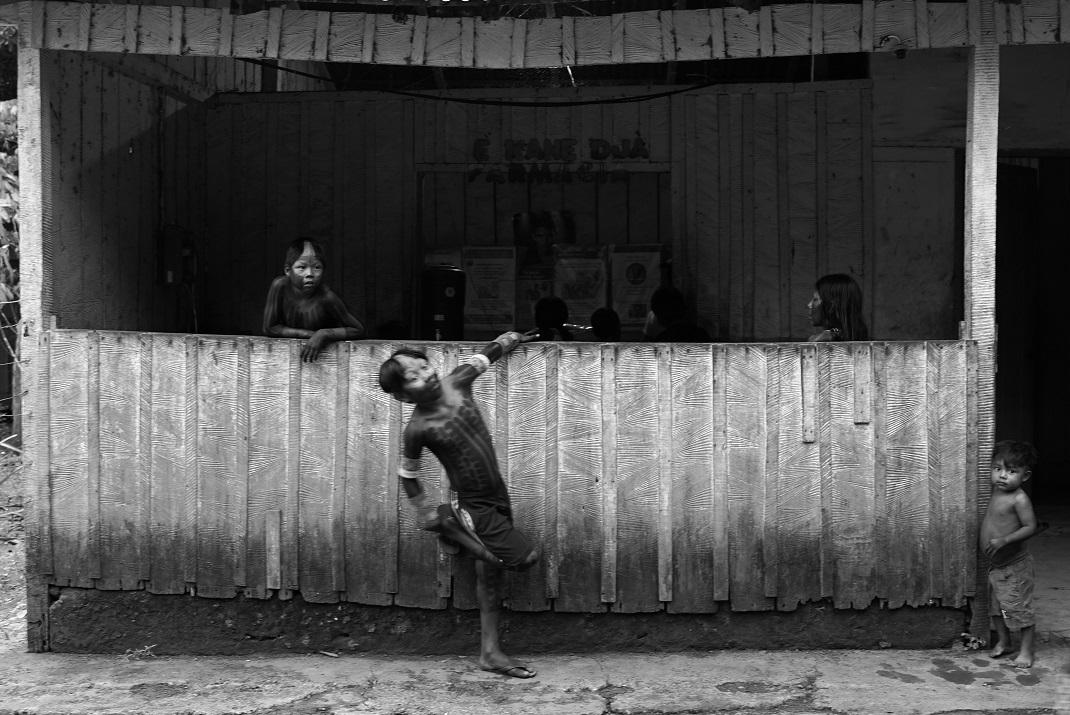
(566, 149)
(563, 160)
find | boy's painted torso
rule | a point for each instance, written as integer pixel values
(454, 430)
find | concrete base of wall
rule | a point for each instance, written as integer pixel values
(90, 621)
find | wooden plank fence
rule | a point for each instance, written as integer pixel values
(682, 477)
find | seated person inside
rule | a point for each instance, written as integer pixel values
(836, 310)
(605, 325)
(551, 319)
(300, 305)
(668, 322)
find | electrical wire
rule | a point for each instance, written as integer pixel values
(503, 102)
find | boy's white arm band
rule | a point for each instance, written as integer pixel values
(409, 468)
(480, 362)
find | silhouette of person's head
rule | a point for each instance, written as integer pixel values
(605, 324)
(551, 314)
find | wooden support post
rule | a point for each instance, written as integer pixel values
(36, 93)
(982, 127)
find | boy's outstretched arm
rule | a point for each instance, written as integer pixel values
(504, 343)
(478, 363)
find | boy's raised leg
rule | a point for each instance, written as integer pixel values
(491, 657)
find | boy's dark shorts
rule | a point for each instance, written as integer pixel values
(1011, 591)
(493, 523)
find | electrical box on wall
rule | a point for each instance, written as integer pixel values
(442, 290)
(175, 256)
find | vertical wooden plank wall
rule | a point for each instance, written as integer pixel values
(337, 170)
(374, 169)
(771, 191)
(128, 143)
(687, 477)
(772, 196)
(129, 172)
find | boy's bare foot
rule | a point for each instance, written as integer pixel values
(999, 650)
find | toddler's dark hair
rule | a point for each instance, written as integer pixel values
(296, 247)
(391, 372)
(1016, 454)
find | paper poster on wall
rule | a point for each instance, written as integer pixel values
(531, 285)
(580, 280)
(635, 272)
(490, 303)
(535, 233)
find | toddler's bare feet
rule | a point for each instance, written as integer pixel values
(999, 650)
(1024, 660)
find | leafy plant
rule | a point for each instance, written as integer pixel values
(9, 202)
(9, 228)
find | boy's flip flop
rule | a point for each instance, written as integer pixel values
(513, 671)
(455, 525)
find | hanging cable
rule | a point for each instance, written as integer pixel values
(503, 102)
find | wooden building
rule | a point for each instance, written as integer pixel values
(170, 450)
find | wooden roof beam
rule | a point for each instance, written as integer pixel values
(512, 43)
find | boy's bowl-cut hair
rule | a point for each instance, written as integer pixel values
(296, 248)
(1016, 454)
(392, 374)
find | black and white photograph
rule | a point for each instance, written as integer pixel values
(534, 357)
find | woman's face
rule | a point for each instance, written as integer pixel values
(815, 310)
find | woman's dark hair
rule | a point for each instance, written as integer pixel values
(391, 372)
(551, 314)
(841, 306)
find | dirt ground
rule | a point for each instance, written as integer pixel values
(12, 551)
(90, 621)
